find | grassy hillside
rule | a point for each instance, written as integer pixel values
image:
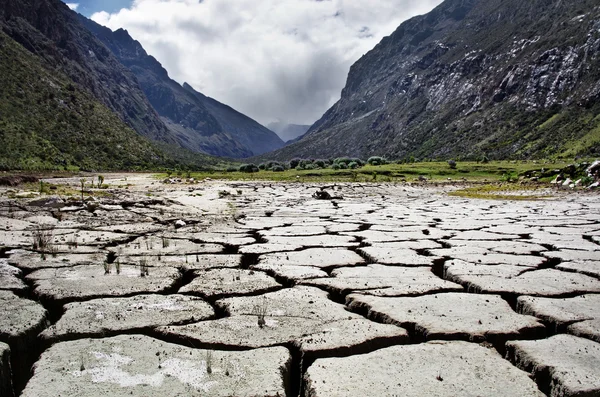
(48, 122)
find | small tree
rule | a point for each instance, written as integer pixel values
(100, 181)
(82, 181)
(376, 160)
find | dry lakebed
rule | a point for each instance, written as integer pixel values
(209, 288)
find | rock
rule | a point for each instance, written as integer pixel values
(594, 169)
(451, 316)
(383, 281)
(62, 285)
(314, 257)
(589, 268)
(594, 185)
(567, 182)
(48, 202)
(579, 315)
(563, 365)
(217, 283)
(517, 280)
(139, 365)
(21, 321)
(179, 223)
(108, 316)
(6, 387)
(10, 278)
(427, 369)
(389, 255)
(322, 195)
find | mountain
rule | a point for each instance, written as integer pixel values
(288, 132)
(51, 31)
(197, 122)
(502, 78)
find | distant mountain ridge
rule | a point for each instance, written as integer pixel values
(506, 79)
(197, 122)
(288, 132)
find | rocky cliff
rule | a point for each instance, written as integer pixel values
(197, 122)
(502, 78)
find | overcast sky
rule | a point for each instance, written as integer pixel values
(269, 59)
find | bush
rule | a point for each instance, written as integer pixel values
(304, 163)
(278, 168)
(353, 165)
(249, 168)
(262, 166)
(335, 166)
(232, 169)
(310, 166)
(485, 159)
(452, 164)
(319, 163)
(376, 160)
(294, 163)
(343, 166)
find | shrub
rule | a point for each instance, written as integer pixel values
(294, 162)
(343, 166)
(353, 165)
(249, 168)
(452, 164)
(304, 163)
(278, 168)
(232, 169)
(262, 166)
(319, 163)
(485, 159)
(376, 160)
(335, 166)
(310, 166)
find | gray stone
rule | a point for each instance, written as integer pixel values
(155, 245)
(10, 277)
(6, 387)
(222, 282)
(564, 365)
(428, 369)
(390, 255)
(48, 202)
(579, 315)
(98, 317)
(314, 257)
(85, 282)
(29, 260)
(589, 268)
(516, 281)
(139, 365)
(451, 315)
(384, 281)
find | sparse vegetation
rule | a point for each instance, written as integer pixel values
(144, 268)
(43, 237)
(260, 311)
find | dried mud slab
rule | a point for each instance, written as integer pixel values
(382, 280)
(139, 365)
(155, 245)
(376, 236)
(6, 387)
(214, 238)
(487, 257)
(307, 230)
(579, 315)
(222, 282)
(313, 257)
(61, 285)
(290, 273)
(10, 277)
(20, 323)
(390, 255)
(186, 262)
(512, 280)
(428, 369)
(99, 317)
(451, 316)
(589, 268)
(574, 255)
(29, 260)
(563, 365)
(325, 241)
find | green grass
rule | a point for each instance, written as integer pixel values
(501, 191)
(494, 171)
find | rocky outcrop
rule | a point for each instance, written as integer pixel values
(197, 122)
(472, 78)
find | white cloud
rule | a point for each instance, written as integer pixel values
(270, 59)
(73, 6)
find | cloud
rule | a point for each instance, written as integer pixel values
(270, 59)
(73, 6)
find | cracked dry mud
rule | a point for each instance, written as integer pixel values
(393, 290)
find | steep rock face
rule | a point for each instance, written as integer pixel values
(51, 31)
(197, 122)
(472, 77)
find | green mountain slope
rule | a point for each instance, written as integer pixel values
(47, 122)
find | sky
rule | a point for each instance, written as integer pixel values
(272, 60)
